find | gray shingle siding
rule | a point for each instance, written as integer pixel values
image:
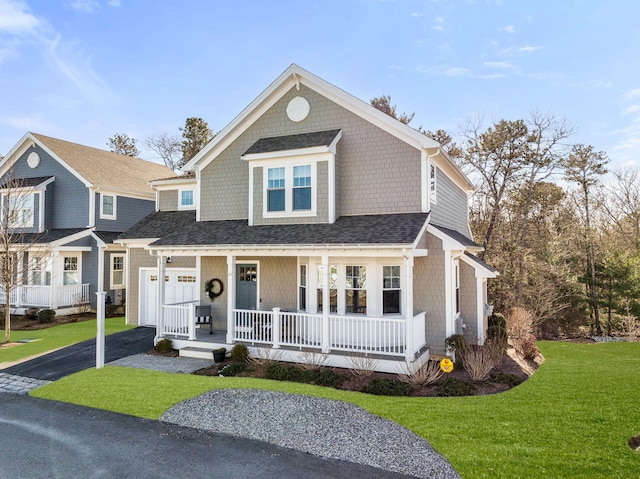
(365, 182)
(128, 212)
(451, 208)
(168, 200)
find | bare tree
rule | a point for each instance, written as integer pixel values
(167, 147)
(16, 238)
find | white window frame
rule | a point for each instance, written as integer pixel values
(181, 205)
(303, 286)
(77, 271)
(21, 197)
(392, 288)
(112, 270)
(106, 216)
(288, 190)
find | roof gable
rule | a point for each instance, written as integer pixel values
(94, 167)
(295, 76)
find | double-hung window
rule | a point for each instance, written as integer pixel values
(302, 187)
(117, 271)
(20, 210)
(302, 288)
(276, 193)
(107, 206)
(356, 290)
(391, 289)
(70, 270)
(289, 190)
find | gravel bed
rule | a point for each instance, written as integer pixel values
(323, 427)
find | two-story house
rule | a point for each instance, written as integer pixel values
(63, 204)
(324, 225)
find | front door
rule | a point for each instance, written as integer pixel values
(246, 286)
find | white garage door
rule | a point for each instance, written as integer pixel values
(179, 286)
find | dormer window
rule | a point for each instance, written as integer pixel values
(107, 207)
(20, 210)
(302, 187)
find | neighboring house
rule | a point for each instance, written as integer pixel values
(67, 203)
(332, 227)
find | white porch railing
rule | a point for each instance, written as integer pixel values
(178, 319)
(41, 297)
(385, 336)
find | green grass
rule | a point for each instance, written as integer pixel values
(57, 337)
(570, 420)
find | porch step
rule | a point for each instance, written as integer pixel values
(193, 352)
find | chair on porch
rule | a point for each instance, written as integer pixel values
(203, 316)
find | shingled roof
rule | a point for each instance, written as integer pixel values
(179, 228)
(460, 238)
(293, 142)
(105, 169)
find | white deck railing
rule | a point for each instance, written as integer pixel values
(385, 336)
(40, 296)
(178, 319)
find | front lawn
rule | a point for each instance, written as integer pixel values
(55, 337)
(572, 419)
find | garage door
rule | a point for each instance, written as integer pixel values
(179, 286)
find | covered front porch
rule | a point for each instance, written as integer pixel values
(57, 297)
(388, 341)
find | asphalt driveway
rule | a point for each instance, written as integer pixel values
(81, 356)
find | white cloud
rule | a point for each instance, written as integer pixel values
(415, 14)
(632, 109)
(503, 65)
(114, 3)
(508, 29)
(631, 94)
(529, 49)
(438, 24)
(87, 6)
(525, 49)
(17, 19)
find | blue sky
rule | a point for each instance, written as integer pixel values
(82, 70)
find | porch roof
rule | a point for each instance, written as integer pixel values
(45, 237)
(179, 228)
(459, 237)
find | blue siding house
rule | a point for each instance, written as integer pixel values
(63, 205)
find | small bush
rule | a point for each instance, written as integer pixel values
(284, 373)
(509, 379)
(455, 387)
(388, 387)
(232, 369)
(46, 316)
(497, 329)
(458, 344)
(110, 310)
(164, 346)
(480, 360)
(526, 347)
(239, 353)
(31, 314)
(327, 377)
(428, 373)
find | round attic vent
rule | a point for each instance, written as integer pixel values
(33, 159)
(298, 109)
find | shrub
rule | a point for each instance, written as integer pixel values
(31, 314)
(455, 387)
(110, 310)
(497, 329)
(457, 343)
(428, 373)
(388, 387)
(327, 377)
(46, 316)
(509, 379)
(362, 365)
(232, 369)
(526, 347)
(478, 361)
(239, 353)
(164, 346)
(283, 373)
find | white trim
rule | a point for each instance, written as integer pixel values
(68, 239)
(103, 215)
(243, 260)
(251, 195)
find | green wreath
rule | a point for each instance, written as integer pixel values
(213, 288)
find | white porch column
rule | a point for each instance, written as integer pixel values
(101, 269)
(480, 306)
(408, 306)
(55, 264)
(231, 296)
(326, 299)
(160, 296)
(20, 279)
(275, 328)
